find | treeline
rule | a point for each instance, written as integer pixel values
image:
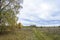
(41, 26)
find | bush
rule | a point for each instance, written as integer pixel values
(58, 26)
(3, 28)
(6, 28)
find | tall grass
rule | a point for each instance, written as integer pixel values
(32, 33)
(40, 35)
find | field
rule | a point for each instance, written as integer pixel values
(33, 33)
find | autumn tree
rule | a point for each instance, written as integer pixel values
(19, 25)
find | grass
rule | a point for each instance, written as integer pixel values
(41, 35)
(21, 34)
(32, 34)
(51, 33)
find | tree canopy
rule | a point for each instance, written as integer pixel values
(8, 11)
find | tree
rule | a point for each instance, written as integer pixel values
(0, 7)
(19, 25)
(8, 11)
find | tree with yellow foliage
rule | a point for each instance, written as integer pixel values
(19, 25)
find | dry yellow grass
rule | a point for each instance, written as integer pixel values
(28, 34)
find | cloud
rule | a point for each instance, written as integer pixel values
(38, 10)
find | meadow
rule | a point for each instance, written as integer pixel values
(33, 33)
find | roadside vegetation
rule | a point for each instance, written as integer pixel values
(33, 33)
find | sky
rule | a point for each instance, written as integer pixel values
(40, 12)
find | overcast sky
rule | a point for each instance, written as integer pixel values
(40, 12)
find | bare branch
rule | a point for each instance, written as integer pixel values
(5, 6)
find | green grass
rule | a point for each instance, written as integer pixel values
(31, 34)
(41, 35)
